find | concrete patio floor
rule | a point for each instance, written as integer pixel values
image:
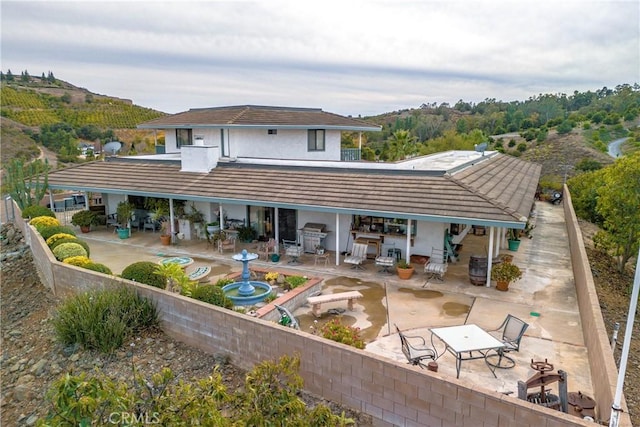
(547, 288)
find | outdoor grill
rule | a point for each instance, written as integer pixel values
(313, 235)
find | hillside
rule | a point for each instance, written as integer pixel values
(28, 103)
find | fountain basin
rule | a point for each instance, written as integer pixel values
(261, 291)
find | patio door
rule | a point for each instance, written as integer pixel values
(287, 224)
(262, 219)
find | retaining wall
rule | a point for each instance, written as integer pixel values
(604, 373)
(392, 393)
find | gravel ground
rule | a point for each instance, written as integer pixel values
(32, 359)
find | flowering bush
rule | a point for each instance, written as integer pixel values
(44, 221)
(67, 250)
(335, 331)
(51, 240)
(78, 261)
(272, 275)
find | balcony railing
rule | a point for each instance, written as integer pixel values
(350, 154)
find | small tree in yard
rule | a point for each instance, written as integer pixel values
(618, 203)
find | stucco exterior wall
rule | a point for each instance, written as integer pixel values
(286, 144)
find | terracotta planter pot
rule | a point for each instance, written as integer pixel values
(85, 228)
(502, 286)
(405, 273)
(165, 239)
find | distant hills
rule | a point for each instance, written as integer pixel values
(552, 129)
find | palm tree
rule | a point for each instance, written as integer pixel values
(402, 145)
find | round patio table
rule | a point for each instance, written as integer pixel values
(182, 261)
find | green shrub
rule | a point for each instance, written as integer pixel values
(100, 268)
(49, 231)
(37, 210)
(71, 240)
(212, 294)
(102, 320)
(51, 240)
(270, 397)
(335, 331)
(67, 250)
(224, 282)
(292, 282)
(144, 272)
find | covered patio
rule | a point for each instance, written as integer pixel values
(545, 298)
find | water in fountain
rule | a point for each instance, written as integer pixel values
(246, 292)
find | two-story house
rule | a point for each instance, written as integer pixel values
(279, 168)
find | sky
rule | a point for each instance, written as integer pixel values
(346, 57)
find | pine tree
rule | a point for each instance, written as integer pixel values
(9, 76)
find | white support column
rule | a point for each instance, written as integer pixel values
(337, 240)
(86, 200)
(498, 240)
(277, 229)
(408, 245)
(171, 226)
(490, 256)
(51, 202)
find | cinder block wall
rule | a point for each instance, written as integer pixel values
(601, 362)
(391, 392)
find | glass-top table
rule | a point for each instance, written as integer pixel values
(463, 340)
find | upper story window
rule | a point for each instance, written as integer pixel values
(183, 137)
(272, 131)
(315, 140)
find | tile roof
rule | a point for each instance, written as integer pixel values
(498, 189)
(258, 116)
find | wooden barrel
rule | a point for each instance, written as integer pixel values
(478, 270)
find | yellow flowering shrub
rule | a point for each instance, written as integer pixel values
(78, 261)
(271, 275)
(51, 240)
(44, 221)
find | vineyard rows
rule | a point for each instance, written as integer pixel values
(36, 109)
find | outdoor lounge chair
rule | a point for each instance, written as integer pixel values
(436, 267)
(510, 332)
(358, 256)
(416, 354)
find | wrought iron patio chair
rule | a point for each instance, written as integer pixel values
(416, 354)
(358, 256)
(510, 332)
(437, 265)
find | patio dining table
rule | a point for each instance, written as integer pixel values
(463, 341)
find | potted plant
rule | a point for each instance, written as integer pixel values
(513, 239)
(84, 219)
(246, 233)
(404, 270)
(124, 213)
(213, 227)
(505, 273)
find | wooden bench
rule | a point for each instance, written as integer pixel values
(316, 302)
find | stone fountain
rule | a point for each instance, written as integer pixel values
(246, 292)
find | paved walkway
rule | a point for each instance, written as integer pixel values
(547, 289)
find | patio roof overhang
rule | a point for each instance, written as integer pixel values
(497, 191)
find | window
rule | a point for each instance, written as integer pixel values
(316, 140)
(183, 137)
(272, 131)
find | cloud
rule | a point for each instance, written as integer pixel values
(350, 57)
